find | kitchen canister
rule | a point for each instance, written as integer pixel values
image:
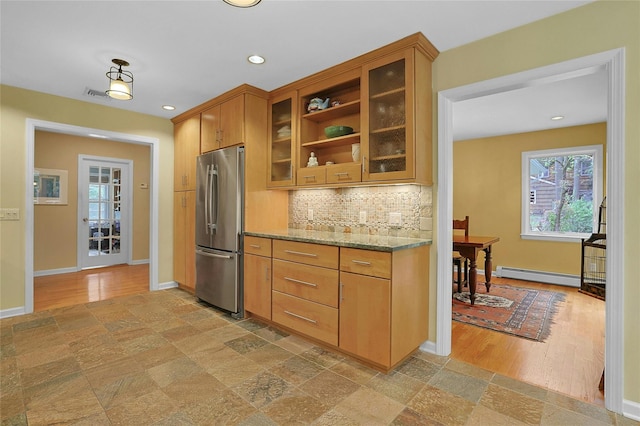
(355, 152)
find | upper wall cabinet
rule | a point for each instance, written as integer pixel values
(186, 136)
(223, 124)
(283, 128)
(396, 111)
(383, 98)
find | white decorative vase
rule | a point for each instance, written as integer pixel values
(355, 152)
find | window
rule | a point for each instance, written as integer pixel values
(561, 192)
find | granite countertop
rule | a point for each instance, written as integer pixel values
(362, 241)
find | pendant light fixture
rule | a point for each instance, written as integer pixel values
(242, 3)
(120, 82)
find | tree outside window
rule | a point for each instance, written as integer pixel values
(567, 184)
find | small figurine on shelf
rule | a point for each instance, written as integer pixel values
(313, 161)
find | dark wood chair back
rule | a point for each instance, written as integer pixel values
(462, 225)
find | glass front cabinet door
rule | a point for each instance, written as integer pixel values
(282, 133)
(388, 148)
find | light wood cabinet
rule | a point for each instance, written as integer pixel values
(257, 276)
(186, 139)
(385, 96)
(223, 124)
(184, 239)
(370, 304)
(283, 129)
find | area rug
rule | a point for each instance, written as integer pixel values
(519, 311)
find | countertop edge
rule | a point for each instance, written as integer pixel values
(402, 245)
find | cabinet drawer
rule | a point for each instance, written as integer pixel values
(313, 319)
(366, 262)
(311, 176)
(311, 254)
(344, 173)
(307, 282)
(257, 245)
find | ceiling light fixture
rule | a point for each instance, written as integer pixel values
(120, 82)
(168, 107)
(256, 59)
(242, 3)
(557, 117)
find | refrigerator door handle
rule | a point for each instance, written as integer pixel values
(206, 202)
(213, 224)
(219, 256)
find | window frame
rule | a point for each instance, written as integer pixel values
(597, 192)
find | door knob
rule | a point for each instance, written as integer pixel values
(85, 220)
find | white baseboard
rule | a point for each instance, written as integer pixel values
(631, 409)
(538, 276)
(429, 347)
(139, 262)
(12, 312)
(167, 285)
(58, 271)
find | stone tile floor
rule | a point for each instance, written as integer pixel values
(163, 358)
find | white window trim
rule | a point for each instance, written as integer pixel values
(528, 234)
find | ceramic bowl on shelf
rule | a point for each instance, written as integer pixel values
(335, 131)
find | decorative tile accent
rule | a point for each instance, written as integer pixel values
(338, 210)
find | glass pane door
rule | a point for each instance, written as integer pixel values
(101, 191)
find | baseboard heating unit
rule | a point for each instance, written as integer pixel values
(538, 276)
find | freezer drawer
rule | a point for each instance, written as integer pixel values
(218, 279)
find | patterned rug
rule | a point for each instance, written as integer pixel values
(522, 312)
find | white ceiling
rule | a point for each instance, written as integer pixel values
(184, 53)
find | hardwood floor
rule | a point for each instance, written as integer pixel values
(570, 361)
(56, 291)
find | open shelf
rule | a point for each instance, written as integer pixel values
(337, 141)
(330, 113)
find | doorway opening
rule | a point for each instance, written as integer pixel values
(153, 143)
(613, 63)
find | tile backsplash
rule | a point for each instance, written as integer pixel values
(338, 210)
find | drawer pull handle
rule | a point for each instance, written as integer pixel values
(342, 174)
(301, 282)
(301, 317)
(299, 253)
(254, 246)
(361, 262)
(310, 177)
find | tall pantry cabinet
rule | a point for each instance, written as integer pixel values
(186, 149)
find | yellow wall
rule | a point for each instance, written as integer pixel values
(487, 187)
(16, 105)
(593, 28)
(55, 224)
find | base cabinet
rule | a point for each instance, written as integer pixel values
(184, 239)
(257, 276)
(370, 304)
(365, 321)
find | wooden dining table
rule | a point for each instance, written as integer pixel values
(469, 247)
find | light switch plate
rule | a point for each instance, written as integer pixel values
(310, 214)
(363, 218)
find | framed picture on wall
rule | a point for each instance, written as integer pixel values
(50, 186)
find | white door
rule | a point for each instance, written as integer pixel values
(104, 206)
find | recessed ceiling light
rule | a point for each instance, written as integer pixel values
(256, 59)
(242, 3)
(168, 107)
(557, 117)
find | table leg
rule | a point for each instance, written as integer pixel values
(487, 267)
(473, 277)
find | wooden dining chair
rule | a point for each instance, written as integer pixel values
(458, 260)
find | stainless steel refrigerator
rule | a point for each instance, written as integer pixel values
(219, 228)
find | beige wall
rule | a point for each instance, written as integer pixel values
(593, 28)
(487, 180)
(55, 224)
(16, 105)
